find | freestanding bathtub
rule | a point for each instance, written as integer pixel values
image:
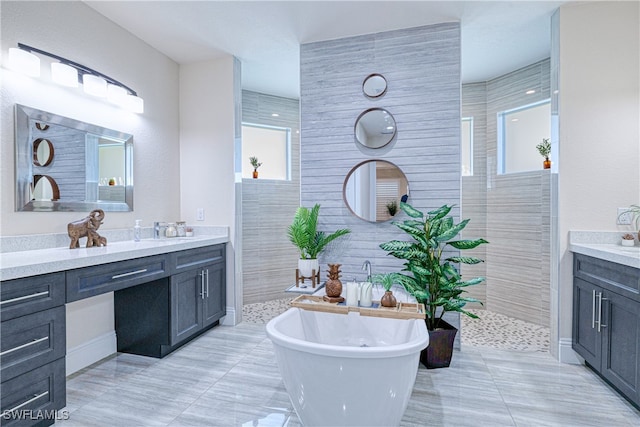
(347, 369)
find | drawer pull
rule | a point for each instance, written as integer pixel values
(30, 343)
(22, 298)
(131, 273)
(15, 408)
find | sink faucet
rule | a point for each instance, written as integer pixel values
(157, 226)
(367, 266)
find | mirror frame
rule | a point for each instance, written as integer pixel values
(351, 172)
(370, 76)
(371, 110)
(24, 164)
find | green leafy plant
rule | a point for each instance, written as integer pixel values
(304, 235)
(544, 148)
(255, 163)
(386, 280)
(432, 279)
(634, 210)
(392, 207)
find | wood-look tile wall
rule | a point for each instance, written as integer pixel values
(422, 68)
(269, 260)
(517, 208)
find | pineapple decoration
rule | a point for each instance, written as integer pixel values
(334, 285)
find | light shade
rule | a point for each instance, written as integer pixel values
(64, 75)
(116, 94)
(24, 62)
(134, 103)
(94, 85)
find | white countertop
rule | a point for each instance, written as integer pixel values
(606, 246)
(14, 265)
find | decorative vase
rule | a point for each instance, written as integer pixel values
(333, 286)
(546, 163)
(255, 174)
(625, 242)
(440, 350)
(308, 267)
(388, 299)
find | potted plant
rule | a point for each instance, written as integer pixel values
(544, 148)
(432, 277)
(634, 212)
(310, 242)
(392, 208)
(627, 240)
(387, 280)
(256, 165)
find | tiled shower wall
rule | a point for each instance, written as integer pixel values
(517, 211)
(269, 260)
(422, 68)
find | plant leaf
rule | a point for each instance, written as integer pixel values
(410, 210)
(441, 212)
(465, 260)
(467, 244)
(452, 232)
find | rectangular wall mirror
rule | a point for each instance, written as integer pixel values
(66, 165)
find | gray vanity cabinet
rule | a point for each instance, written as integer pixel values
(606, 321)
(32, 349)
(198, 292)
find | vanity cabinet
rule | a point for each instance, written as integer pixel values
(198, 294)
(155, 318)
(606, 321)
(32, 349)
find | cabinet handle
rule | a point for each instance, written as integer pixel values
(22, 298)
(15, 408)
(593, 309)
(202, 284)
(131, 273)
(35, 341)
(600, 325)
(207, 288)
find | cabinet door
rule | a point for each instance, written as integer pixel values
(621, 344)
(586, 339)
(186, 304)
(215, 293)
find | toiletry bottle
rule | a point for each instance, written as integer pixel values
(171, 230)
(137, 231)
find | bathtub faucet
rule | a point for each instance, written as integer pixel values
(367, 266)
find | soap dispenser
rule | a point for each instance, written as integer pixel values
(137, 231)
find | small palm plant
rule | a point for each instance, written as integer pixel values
(304, 235)
(544, 148)
(432, 280)
(254, 162)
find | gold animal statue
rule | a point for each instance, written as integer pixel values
(87, 227)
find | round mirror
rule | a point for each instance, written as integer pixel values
(374, 189)
(374, 85)
(45, 188)
(42, 152)
(375, 128)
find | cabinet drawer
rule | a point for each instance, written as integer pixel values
(90, 281)
(31, 341)
(198, 257)
(618, 278)
(30, 398)
(30, 294)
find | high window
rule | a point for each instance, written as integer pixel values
(272, 146)
(519, 131)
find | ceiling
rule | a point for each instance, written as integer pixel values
(497, 36)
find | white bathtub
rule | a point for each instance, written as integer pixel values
(347, 370)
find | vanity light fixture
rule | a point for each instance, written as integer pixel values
(70, 73)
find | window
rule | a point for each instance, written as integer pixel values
(272, 146)
(519, 131)
(466, 131)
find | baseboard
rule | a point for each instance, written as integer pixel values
(91, 351)
(230, 318)
(567, 354)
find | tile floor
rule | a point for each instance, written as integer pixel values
(229, 377)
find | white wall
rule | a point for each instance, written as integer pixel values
(207, 132)
(77, 32)
(599, 142)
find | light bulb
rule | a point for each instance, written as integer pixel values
(94, 85)
(64, 74)
(24, 62)
(116, 94)
(134, 104)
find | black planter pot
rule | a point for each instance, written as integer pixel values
(438, 353)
